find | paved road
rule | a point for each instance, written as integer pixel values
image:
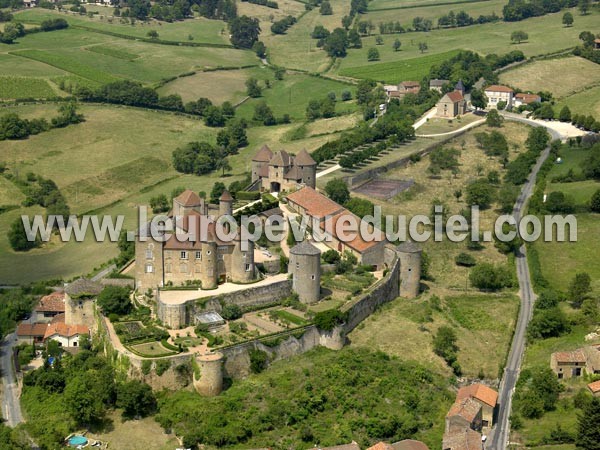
(11, 407)
(498, 438)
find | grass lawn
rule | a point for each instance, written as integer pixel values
(374, 5)
(440, 125)
(483, 324)
(290, 317)
(585, 102)
(70, 51)
(9, 193)
(202, 30)
(218, 86)
(541, 76)
(397, 71)
(150, 349)
(267, 16)
(292, 95)
(560, 261)
(21, 67)
(546, 34)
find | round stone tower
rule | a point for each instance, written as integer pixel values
(410, 269)
(242, 261)
(208, 264)
(305, 267)
(225, 204)
(210, 382)
(308, 167)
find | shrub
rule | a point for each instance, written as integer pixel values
(466, 260)
(329, 319)
(231, 312)
(486, 276)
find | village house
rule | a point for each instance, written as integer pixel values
(49, 307)
(31, 333)
(351, 446)
(594, 388)
(497, 93)
(568, 364)
(324, 212)
(464, 413)
(597, 44)
(486, 397)
(282, 171)
(437, 85)
(465, 439)
(523, 98)
(400, 90)
(66, 335)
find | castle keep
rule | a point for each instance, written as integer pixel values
(282, 171)
(207, 259)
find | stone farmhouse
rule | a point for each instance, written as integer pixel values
(498, 93)
(281, 171)
(594, 388)
(486, 397)
(207, 259)
(523, 98)
(49, 307)
(575, 363)
(451, 105)
(462, 440)
(321, 210)
(465, 413)
(400, 90)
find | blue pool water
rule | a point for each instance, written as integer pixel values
(77, 440)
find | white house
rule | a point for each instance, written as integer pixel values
(497, 93)
(66, 335)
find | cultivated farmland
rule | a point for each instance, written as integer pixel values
(19, 87)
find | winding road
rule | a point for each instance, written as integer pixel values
(498, 439)
(11, 406)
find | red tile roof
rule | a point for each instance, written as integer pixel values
(59, 318)
(357, 243)
(381, 446)
(303, 158)
(479, 392)
(281, 158)
(32, 329)
(594, 387)
(409, 444)
(528, 98)
(62, 329)
(189, 198)
(54, 302)
(575, 356)
(467, 408)
(455, 96)
(226, 196)
(462, 440)
(410, 84)
(498, 88)
(315, 204)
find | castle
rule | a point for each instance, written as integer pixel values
(207, 259)
(276, 172)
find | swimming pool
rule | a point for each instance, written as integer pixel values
(77, 440)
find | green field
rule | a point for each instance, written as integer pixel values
(585, 102)
(202, 30)
(292, 95)
(375, 5)
(19, 87)
(546, 35)
(395, 72)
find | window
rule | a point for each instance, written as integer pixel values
(198, 255)
(183, 255)
(312, 277)
(220, 257)
(247, 267)
(149, 268)
(148, 253)
(168, 268)
(297, 265)
(208, 252)
(75, 344)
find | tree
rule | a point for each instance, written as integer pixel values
(338, 191)
(565, 114)
(579, 288)
(313, 110)
(354, 39)
(244, 31)
(114, 300)
(396, 45)
(494, 119)
(83, 400)
(136, 399)
(160, 204)
(588, 435)
(373, 54)
(486, 276)
(479, 192)
(545, 112)
(231, 312)
(584, 7)
(264, 114)
(213, 117)
(17, 237)
(518, 36)
(260, 49)
(216, 192)
(252, 88)
(152, 34)
(325, 9)
(423, 47)
(567, 19)
(478, 99)
(336, 43)
(327, 320)
(347, 21)
(595, 202)
(379, 40)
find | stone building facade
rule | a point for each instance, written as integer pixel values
(305, 267)
(282, 171)
(204, 258)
